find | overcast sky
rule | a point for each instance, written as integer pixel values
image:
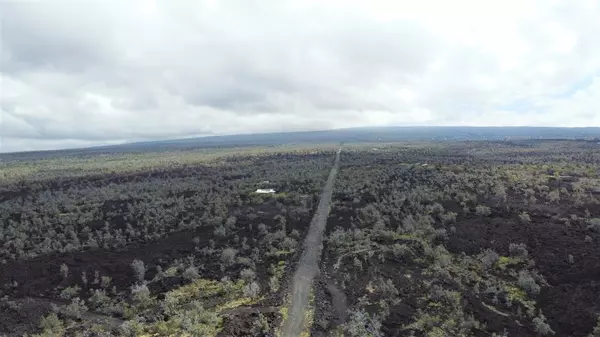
(83, 72)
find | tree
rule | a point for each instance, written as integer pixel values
(524, 217)
(64, 271)
(76, 308)
(540, 326)
(361, 324)
(368, 215)
(483, 210)
(228, 256)
(52, 325)
(139, 269)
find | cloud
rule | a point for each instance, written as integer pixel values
(79, 73)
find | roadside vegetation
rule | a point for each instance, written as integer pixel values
(423, 239)
(465, 239)
(158, 247)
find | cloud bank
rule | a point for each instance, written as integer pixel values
(80, 73)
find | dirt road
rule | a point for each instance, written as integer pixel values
(308, 267)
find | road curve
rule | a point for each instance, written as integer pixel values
(308, 266)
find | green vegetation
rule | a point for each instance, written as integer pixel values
(157, 244)
(423, 239)
(461, 239)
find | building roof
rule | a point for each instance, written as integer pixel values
(260, 190)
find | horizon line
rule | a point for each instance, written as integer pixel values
(175, 138)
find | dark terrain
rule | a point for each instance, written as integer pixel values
(466, 239)
(208, 249)
(453, 238)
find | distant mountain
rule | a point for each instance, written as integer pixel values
(352, 135)
(375, 134)
(378, 134)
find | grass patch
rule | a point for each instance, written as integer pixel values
(520, 296)
(188, 315)
(507, 261)
(283, 313)
(309, 316)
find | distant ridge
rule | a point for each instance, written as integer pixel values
(383, 134)
(360, 135)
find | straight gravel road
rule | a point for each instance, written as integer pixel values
(308, 266)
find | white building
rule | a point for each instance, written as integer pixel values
(265, 191)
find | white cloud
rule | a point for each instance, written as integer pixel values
(78, 73)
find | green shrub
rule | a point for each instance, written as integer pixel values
(594, 225)
(260, 327)
(540, 326)
(76, 308)
(70, 292)
(519, 249)
(191, 273)
(338, 238)
(248, 275)
(489, 258)
(524, 217)
(139, 270)
(483, 210)
(52, 325)
(99, 299)
(251, 289)
(228, 256)
(141, 294)
(64, 271)
(527, 283)
(361, 324)
(105, 282)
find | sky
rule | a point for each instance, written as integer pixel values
(94, 72)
